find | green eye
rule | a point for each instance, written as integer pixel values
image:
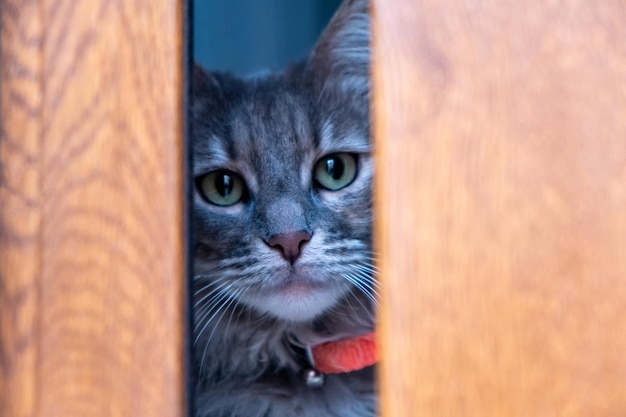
(336, 171)
(222, 188)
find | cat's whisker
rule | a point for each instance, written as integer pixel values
(206, 288)
(365, 308)
(203, 313)
(223, 307)
(216, 301)
(366, 272)
(355, 314)
(238, 296)
(208, 309)
(243, 308)
(209, 298)
(373, 258)
(367, 279)
(369, 268)
(219, 306)
(371, 290)
(203, 308)
(365, 288)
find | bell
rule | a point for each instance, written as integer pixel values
(313, 378)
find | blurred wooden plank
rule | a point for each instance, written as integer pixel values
(20, 203)
(93, 236)
(501, 143)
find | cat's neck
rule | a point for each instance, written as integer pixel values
(244, 344)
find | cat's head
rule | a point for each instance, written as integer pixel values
(282, 168)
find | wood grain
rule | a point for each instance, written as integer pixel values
(92, 255)
(500, 134)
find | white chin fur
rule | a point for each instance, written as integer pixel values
(300, 307)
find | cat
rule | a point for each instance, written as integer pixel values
(282, 203)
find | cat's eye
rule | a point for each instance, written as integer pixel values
(222, 188)
(336, 171)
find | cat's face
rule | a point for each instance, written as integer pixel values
(282, 168)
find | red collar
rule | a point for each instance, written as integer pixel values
(346, 355)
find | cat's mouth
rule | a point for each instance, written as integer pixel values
(298, 287)
(296, 298)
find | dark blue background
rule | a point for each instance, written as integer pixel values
(248, 36)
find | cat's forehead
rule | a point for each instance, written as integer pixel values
(275, 114)
(272, 123)
(277, 120)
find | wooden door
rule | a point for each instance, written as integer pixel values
(92, 226)
(501, 199)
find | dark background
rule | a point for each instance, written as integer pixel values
(251, 36)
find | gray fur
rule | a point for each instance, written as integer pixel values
(271, 131)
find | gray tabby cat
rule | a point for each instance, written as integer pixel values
(282, 208)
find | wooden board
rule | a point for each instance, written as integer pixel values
(21, 127)
(93, 235)
(501, 143)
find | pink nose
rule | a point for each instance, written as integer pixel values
(289, 244)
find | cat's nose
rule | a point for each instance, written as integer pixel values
(289, 244)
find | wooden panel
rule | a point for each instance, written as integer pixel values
(20, 202)
(501, 143)
(93, 238)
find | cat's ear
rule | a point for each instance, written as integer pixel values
(203, 81)
(342, 53)
(211, 90)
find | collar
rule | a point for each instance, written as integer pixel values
(345, 355)
(340, 356)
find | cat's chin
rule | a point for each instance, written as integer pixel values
(296, 301)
